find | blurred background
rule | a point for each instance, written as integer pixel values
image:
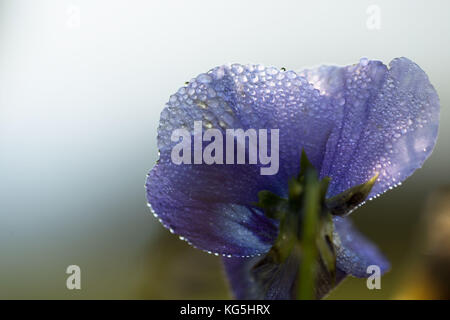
(82, 83)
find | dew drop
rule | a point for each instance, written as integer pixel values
(204, 78)
(364, 61)
(207, 124)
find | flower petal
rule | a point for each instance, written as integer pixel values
(277, 281)
(387, 123)
(354, 253)
(271, 282)
(254, 97)
(211, 205)
(188, 201)
(251, 279)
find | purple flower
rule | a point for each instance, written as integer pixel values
(353, 123)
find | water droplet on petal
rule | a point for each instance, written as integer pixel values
(204, 78)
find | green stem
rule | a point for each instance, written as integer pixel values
(306, 274)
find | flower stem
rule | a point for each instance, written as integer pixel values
(306, 274)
